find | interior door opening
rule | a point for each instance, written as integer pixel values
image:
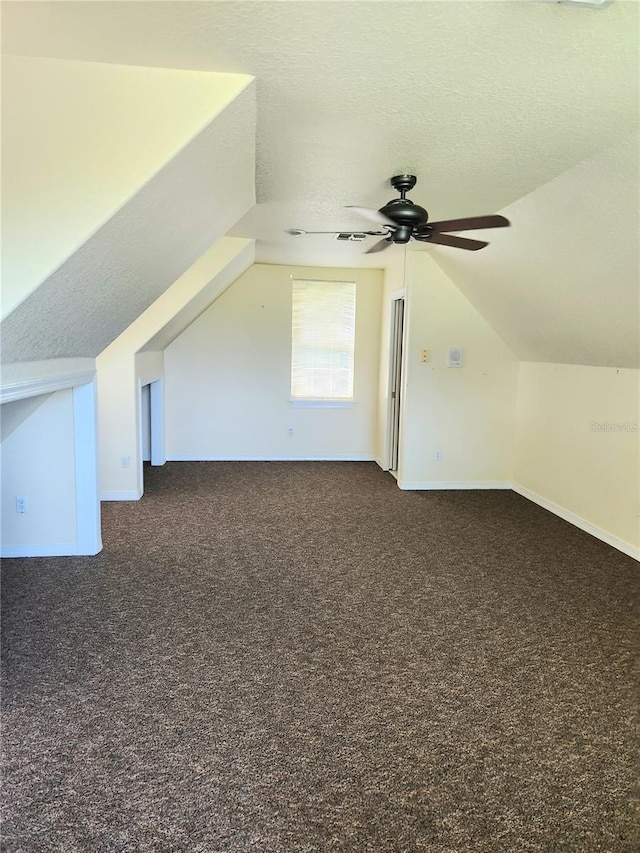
(397, 327)
(151, 425)
(145, 422)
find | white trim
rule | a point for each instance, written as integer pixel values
(156, 394)
(578, 521)
(381, 464)
(21, 389)
(320, 403)
(133, 495)
(271, 459)
(85, 434)
(434, 485)
(388, 449)
(67, 549)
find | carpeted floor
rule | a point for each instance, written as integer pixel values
(300, 658)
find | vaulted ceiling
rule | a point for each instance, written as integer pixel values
(494, 105)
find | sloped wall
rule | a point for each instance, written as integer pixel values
(79, 140)
(561, 285)
(119, 368)
(93, 296)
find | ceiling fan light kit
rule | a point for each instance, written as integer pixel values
(403, 220)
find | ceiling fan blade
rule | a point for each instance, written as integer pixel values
(470, 223)
(380, 246)
(372, 215)
(451, 240)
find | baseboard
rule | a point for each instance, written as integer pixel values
(434, 485)
(133, 495)
(381, 464)
(578, 521)
(271, 459)
(70, 549)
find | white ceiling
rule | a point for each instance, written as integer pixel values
(562, 283)
(79, 140)
(485, 101)
(144, 248)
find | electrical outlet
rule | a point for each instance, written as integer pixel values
(22, 504)
(125, 461)
(290, 432)
(425, 355)
(437, 456)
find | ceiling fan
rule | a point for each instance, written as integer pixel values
(402, 220)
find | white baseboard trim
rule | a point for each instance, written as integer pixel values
(271, 459)
(381, 464)
(578, 521)
(133, 495)
(434, 485)
(70, 549)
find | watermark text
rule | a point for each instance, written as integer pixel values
(614, 426)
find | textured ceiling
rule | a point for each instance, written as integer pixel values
(484, 101)
(78, 140)
(487, 102)
(148, 244)
(562, 283)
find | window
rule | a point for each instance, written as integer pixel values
(323, 336)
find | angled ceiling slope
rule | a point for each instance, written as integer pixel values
(79, 139)
(162, 212)
(563, 283)
(484, 101)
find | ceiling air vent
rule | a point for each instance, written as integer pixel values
(353, 238)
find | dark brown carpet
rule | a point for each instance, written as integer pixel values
(300, 658)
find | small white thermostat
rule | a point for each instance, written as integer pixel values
(454, 357)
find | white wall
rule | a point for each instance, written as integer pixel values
(149, 365)
(49, 456)
(121, 367)
(79, 139)
(552, 288)
(13, 414)
(38, 462)
(227, 376)
(577, 447)
(467, 413)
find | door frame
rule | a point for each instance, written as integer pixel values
(394, 296)
(156, 421)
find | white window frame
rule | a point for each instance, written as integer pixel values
(323, 402)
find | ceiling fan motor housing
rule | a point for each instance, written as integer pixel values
(403, 211)
(406, 215)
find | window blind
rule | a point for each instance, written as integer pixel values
(323, 339)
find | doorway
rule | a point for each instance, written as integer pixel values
(151, 424)
(397, 329)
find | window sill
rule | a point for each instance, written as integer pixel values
(320, 403)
